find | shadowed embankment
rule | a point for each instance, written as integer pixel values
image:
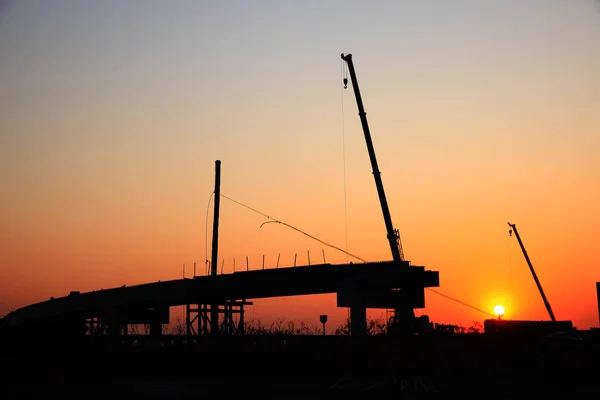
(287, 366)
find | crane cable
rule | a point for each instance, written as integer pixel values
(273, 220)
(344, 76)
(510, 270)
(461, 302)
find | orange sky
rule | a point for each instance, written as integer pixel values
(111, 119)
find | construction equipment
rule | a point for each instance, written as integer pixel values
(393, 235)
(537, 281)
(404, 316)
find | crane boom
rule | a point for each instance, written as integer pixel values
(393, 235)
(535, 278)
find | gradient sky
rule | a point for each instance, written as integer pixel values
(112, 114)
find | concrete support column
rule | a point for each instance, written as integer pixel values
(242, 328)
(114, 329)
(75, 326)
(155, 329)
(188, 319)
(358, 321)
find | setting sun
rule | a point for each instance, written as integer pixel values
(499, 310)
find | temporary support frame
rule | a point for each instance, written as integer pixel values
(198, 318)
(97, 326)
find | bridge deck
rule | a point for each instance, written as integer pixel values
(289, 281)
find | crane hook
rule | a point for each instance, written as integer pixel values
(345, 83)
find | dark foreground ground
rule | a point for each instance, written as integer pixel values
(304, 367)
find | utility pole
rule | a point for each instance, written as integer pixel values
(214, 312)
(323, 319)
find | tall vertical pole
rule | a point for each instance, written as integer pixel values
(214, 313)
(598, 296)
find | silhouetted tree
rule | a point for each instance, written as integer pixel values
(255, 328)
(374, 327)
(475, 329)
(280, 327)
(164, 328)
(343, 330)
(448, 329)
(180, 327)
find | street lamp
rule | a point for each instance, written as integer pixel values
(323, 319)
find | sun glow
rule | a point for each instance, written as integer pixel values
(499, 310)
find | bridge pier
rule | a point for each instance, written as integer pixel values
(155, 329)
(114, 329)
(358, 321)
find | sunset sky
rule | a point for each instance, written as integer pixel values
(112, 114)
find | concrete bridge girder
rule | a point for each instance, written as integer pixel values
(137, 304)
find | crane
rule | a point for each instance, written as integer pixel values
(404, 314)
(535, 278)
(393, 235)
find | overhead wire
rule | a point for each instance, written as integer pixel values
(313, 237)
(461, 302)
(273, 220)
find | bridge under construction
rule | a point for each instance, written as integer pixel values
(110, 311)
(215, 303)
